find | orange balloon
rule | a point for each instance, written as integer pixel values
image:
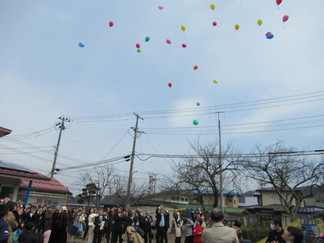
(195, 67)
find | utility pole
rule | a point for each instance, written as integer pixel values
(220, 166)
(61, 127)
(130, 177)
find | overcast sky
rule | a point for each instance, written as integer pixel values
(267, 90)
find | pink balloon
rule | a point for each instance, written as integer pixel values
(184, 45)
(168, 41)
(138, 45)
(214, 23)
(111, 24)
(161, 7)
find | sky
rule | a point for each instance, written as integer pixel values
(267, 90)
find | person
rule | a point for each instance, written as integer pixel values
(178, 227)
(188, 227)
(99, 226)
(59, 224)
(47, 223)
(91, 226)
(218, 232)
(118, 226)
(11, 219)
(276, 231)
(293, 235)
(197, 231)
(75, 224)
(4, 229)
(162, 224)
(29, 235)
(109, 224)
(237, 227)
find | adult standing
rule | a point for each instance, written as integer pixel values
(218, 232)
(99, 226)
(11, 219)
(4, 229)
(162, 224)
(145, 225)
(91, 219)
(47, 223)
(59, 224)
(109, 224)
(118, 227)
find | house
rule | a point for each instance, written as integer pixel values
(15, 180)
(4, 131)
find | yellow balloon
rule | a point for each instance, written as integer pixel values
(259, 22)
(212, 6)
(183, 28)
(237, 26)
(215, 81)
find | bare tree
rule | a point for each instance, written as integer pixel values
(202, 173)
(102, 177)
(137, 191)
(280, 167)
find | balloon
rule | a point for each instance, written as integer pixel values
(198, 103)
(278, 2)
(215, 81)
(138, 45)
(184, 45)
(168, 41)
(212, 6)
(195, 67)
(237, 26)
(139, 50)
(147, 38)
(170, 85)
(183, 28)
(111, 24)
(270, 36)
(214, 23)
(161, 7)
(285, 18)
(81, 44)
(195, 122)
(259, 22)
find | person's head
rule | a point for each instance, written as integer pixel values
(11, 206)
(293, 234)
(198, 222)
(3, 210)
(217, 215)
(202, 218)
(29, 226)
(101, 212)
(276, 224)
(237, 223)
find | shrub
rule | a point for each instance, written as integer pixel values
(256, 231)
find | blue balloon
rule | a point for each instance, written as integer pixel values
(81, 44)
(270, 36)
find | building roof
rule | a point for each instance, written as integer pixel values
(4, 131)
(40, 182)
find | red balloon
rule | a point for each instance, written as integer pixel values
(214, 23)
(278, 2)
(268, 33)
(184, 45)
(168, 41)
(285, 18)
(170, 85)
(138, 45)
(111, 23)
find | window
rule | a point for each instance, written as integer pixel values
(6, 191)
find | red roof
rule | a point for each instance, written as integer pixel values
(40, 182)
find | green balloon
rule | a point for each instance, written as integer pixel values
(195, 122)
(139, 50)
(147, 38)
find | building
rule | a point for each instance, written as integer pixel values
(14, 183)
(4, 131)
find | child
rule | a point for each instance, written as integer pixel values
(197, 231)
(178, 226)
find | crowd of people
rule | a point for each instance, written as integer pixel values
(39, 223)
